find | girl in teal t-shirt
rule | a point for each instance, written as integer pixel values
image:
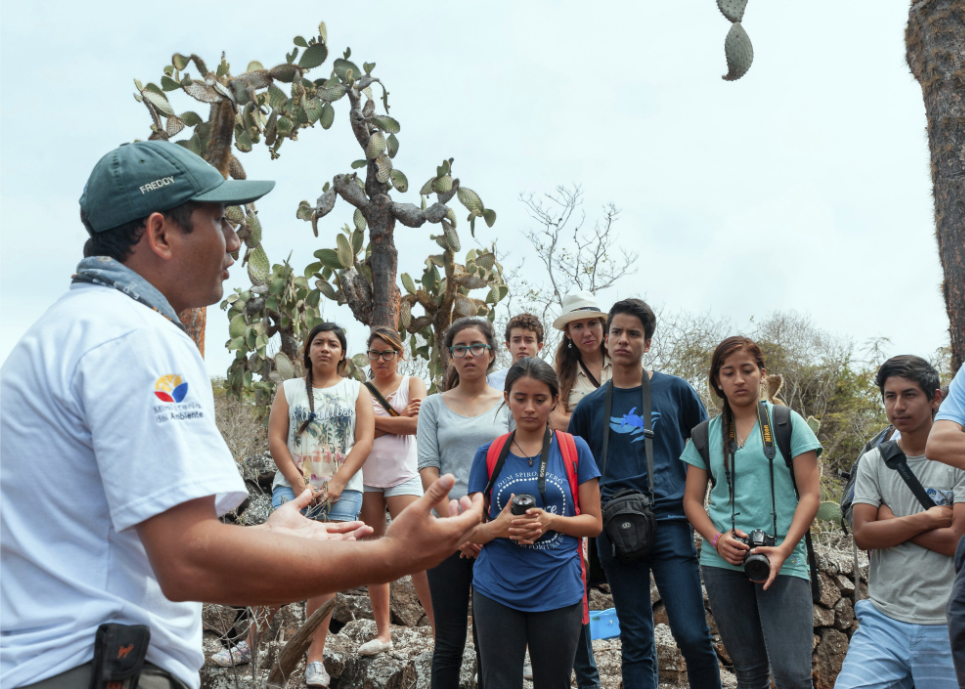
(767, 623)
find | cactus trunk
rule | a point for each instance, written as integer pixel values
(384, 262)
(194, 321)
(935, 50)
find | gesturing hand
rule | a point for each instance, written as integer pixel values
(288, 520)
(420, 540)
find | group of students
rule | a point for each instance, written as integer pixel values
(546, 446)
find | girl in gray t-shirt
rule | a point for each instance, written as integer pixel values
(452, 426)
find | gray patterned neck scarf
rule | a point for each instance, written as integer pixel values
(104, 270)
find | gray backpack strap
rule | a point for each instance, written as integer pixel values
(700, 437)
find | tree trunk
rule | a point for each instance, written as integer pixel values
(384, 262)
(935, 50)
(194, 321)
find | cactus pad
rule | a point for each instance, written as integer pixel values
(738, 51)
(732, 9)
(346, 257)
(399, 181)
(329, 259)
(258, 266)
(829, 512)
(284, 366)
(383, 168)
(375, 147)
(442, 184)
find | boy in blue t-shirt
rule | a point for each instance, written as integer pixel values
(675, 410)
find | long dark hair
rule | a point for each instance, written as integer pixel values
(481, 324)
(326, 327)
(724, 350)
(568, 363)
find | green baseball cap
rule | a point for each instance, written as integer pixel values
(135, 180)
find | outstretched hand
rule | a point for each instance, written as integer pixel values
(289, 520)
(420, 540)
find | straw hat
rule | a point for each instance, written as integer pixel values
(578, 307)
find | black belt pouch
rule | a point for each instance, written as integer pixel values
(119, 653)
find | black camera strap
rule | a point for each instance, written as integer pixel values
(647, 430)
(767, 438)
(543, 462)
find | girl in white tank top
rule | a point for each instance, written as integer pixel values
(391, 472)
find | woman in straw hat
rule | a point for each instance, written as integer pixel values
(582, 363)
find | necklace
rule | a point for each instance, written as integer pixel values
(523, 454)
(741, 441)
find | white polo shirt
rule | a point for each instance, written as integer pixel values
(106, 419)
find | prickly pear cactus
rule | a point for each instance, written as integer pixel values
(243, 110)
(737, 46)
(281, 303)
(361, 269)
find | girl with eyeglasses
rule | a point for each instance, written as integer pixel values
(451, 427)
(391, 470)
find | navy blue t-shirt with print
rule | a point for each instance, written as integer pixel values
(548, 574)
(675, 410)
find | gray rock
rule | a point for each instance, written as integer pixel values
(843, 615)
(828, 657)
(670, 662)
(822, 616)
(830, 593)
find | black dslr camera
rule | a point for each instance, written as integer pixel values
(757, 567)
(521, 503)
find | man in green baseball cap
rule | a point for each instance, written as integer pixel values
(114, 473)
(158, 208)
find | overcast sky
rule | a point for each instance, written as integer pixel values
(804, 186)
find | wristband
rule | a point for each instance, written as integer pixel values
(715, 541)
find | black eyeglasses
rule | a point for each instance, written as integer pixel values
(459, 351)
(375, 355)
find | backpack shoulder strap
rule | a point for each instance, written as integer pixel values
(783, 429)
(895, 459)
(495, 458)
(571, 460)
(700, 437)
(781, 418)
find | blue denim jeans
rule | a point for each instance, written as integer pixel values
(764, 631)
(673, 561)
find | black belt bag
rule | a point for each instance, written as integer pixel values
(119, 653)
(628, 518)
(630, 524)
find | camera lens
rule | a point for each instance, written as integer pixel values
(521, 503)
(757, 567)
